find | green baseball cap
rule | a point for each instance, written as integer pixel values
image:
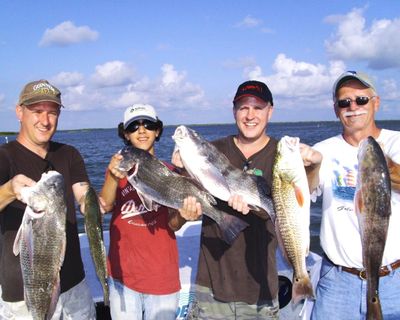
(39, 91)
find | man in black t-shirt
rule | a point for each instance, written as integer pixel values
(21, 164)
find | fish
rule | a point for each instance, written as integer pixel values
(94, 231)
(373, 208)
(213, 170)
(156, 184)
(291, 197)
(41, 243)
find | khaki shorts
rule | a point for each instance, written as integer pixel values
(207, 307)
(74, 304)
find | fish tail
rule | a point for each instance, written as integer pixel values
(302, 289)
(230, 227)
(374, 310)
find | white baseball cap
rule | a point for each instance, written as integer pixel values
(348, 75)
(139, 112)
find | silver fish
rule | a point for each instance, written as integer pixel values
(372, 205)
(218, 176)
(292, 204)
(156, 184)
(94, 231)
(41, 242)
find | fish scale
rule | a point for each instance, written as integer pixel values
(292, 206)
(373, 208)
(41, 242)
(156, 184)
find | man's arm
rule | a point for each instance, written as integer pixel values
(11, 190)
(190, 211)
(79, 189)
(312, 162)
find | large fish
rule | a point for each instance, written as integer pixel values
(372, 205)
(218, 176)
(94, 231)
(41, 242)
(156, 184)
(292, 204)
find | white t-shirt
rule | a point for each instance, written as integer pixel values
(340, 235)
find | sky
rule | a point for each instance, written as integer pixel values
(187, 58)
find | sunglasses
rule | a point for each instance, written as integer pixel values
(147, 124)
(360, 101)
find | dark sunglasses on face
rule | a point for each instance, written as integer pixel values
(360, 101)
(147, 124)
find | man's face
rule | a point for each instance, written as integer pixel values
(38, 122)
(356, 117)
(252, 116)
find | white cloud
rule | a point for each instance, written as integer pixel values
(113, 73)
(65, 79)
(293, 83)
(66, 33)
(2, 98)
(243, 62)
(390, 90)
(378, 45)
(297, 78)
(249, 22)
(169, 89)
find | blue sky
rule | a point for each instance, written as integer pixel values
(187, 58)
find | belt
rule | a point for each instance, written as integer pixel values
(383, 271)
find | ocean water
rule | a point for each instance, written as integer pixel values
(98, 145)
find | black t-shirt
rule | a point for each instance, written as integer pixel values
(17, 159)
(246, 270)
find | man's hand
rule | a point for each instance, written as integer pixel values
(18, 182)
(236, 202)
(191, 209)
(113, 166)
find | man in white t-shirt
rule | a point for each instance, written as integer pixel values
(341, 292)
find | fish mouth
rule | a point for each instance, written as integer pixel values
(35, 213)
(180, 133)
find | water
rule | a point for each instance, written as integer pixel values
(98, 145)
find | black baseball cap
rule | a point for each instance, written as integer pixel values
(256, 89)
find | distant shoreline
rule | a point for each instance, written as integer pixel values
(10, 133)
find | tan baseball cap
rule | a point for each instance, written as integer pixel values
(39, 91)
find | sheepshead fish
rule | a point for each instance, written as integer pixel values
(292, 204)
(372, 205)
(218, 176)
(156, 184)
(94, 231)
(41, 242)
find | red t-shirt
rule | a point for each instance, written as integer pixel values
(143, 253)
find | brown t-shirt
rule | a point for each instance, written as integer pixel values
(16, 159)
(246, 270)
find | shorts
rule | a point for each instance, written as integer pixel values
(74, 304)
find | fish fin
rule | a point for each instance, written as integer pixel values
(280, 241)
(302, 288)
(54, 298)
(358, 203)
(18, 239)
(230, 227)
(253, 208)
(299, 195)
(147, 202)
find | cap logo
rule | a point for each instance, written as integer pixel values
(43, 88)
(252, 87)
